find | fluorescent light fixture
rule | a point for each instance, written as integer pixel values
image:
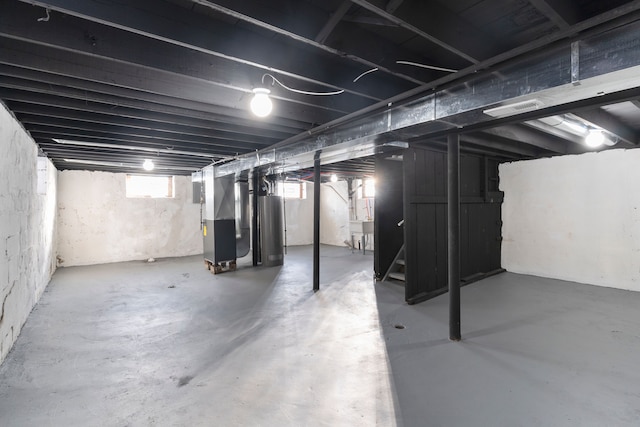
(132, 148)
(334, 177)
(515, 108)
(399, 144)
(261, 104)
(148, 165)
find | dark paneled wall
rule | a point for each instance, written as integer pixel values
(425, 212)
(388, 212)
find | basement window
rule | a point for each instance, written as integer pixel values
(292, 190)
(154, 187)
(367, 189)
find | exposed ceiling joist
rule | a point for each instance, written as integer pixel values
(532, 137)
(370, 20)
(561, 12)
(54, 84)
(399, 22)
(304, 40)
(104, 42)
(114, 128)
(33, 102)
(187, 132)
(335, 18)
(392, 5)
(46, 134)
(194, 31)
(548, 11)
(499, 144)
(119, 74)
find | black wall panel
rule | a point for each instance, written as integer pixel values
(388, 213)
(425, 211)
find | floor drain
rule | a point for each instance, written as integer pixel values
(398, 326)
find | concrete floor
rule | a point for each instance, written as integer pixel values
(137, 344)
(535, 352)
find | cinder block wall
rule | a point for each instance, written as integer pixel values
(27, 227)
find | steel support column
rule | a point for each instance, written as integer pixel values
(453, 211)
(255, 244)
(316, 222)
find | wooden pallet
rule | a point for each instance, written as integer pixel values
(220, 267)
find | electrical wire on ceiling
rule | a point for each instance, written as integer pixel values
(364, 74)
(261, 104)
(44, 19)
(430, 67)
(303, 92)
(338, 92)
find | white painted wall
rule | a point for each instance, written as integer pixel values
(334, 213)
(98, 224)
(334, 216)
(574, 218)
(299, 219)
(27, 228)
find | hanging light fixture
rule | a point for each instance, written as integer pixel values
(261, 104)
(148, 165)
(334, 177)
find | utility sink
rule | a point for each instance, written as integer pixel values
(361, 227)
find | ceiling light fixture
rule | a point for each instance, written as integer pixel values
(148, 165)
(595, 138)
(261, 104)
(334, 177)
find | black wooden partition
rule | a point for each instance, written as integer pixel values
(388, 212)
(425, 227)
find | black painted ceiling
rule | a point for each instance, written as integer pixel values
(125, 80)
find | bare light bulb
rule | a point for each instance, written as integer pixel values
(595, 138)
(334, 177)
(261, 105)
(148, 165)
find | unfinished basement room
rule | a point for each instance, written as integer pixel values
(348, 213)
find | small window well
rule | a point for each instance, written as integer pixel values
(155, 187)
(292, 190)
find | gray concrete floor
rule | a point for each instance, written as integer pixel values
(136, 344)
(170, 344)
(535, 352)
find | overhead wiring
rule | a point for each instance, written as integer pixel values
(303, 92)
(430, 67)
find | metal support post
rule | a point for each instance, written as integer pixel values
(255, 245)
(453, 211)
(316, 222)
